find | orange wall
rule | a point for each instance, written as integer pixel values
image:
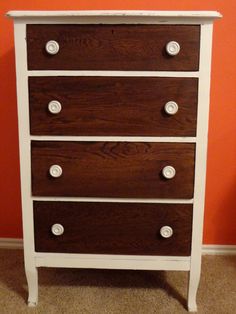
(220, 212)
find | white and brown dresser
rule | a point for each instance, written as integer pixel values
(113, 119)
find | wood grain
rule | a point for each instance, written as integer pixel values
(113, 106)
(113, 47)
(113, 169)
(113, 228)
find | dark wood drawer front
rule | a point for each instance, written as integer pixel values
(113, 169)
(113, 47)
(113, 106)
(113, 228)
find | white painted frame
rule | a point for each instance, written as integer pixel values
(25, 162)
(113, 73)
(116, 13)
(113, 200)
(114, 139)
(34, 259)
(200, 162)
(117, 17)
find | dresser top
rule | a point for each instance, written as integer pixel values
(125, 13)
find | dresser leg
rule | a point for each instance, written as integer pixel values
(32, 280)
(194, 278)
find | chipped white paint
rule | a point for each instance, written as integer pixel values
(113, 13)
(114, 17)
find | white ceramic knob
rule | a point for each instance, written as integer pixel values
(171, 107)
(166, 231)
(52, 47)
(57, 229)
(172, 48)
(55, 171)
(168, 172)
(54, 107)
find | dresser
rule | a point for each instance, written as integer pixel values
(113, 121)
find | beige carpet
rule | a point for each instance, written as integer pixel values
(111, 292)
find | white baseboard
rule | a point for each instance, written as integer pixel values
(11, 243)
(207, 249)
(214, 249)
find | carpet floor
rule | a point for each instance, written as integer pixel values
(83, 291)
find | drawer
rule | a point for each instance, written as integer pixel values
(113, 106)
(112, 169)
(112, 47)
(112, 228)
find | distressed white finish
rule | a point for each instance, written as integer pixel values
(172, 48)
(34, 259)
(171, 107)
(114, 17)
(113, 13)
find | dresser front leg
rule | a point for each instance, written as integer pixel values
(194, 278)
(32, 280)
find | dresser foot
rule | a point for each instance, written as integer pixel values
(32, 280)
(194, 278)
(32, 304)
(192, 307)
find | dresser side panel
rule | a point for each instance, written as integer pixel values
(200, 162)
(24, 141)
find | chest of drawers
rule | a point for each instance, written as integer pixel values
(113, 118)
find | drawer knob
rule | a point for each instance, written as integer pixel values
(171, 107)
(52, 47)
(54, 107)
(168, 172)
(55, 171)
(166, 231)
(172, 48)
(57, 229)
